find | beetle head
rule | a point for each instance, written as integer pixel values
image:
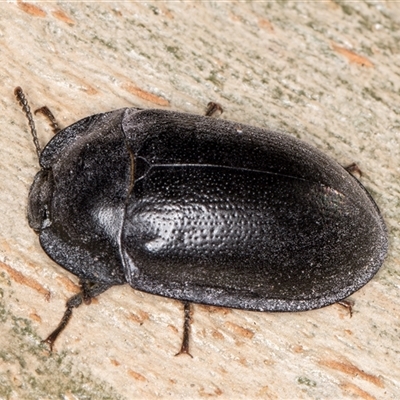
(39, 200)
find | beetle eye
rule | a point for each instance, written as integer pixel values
(46, 220)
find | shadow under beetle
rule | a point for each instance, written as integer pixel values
(201, 210)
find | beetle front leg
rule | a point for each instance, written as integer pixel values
(73, 302)
(89, 291)
(186, 330)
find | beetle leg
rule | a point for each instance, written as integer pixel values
(89, 290)
(352, 168)
(49, 115)
(213, 110)
(186, 330)
(348, 305)
(73, 302)
(92, 289)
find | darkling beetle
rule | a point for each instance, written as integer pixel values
(201, 210)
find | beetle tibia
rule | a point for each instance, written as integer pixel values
(186, 330)
(89, 290)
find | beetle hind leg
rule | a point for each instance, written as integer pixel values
(89, 291)
(186, 330)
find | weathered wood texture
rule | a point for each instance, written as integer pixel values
(327, 72)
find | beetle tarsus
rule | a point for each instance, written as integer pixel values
(186, 330)
(49, 115)
(348, 305)
(213, 110)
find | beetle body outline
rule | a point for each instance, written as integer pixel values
(203, 210)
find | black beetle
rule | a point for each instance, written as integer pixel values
(201, 210)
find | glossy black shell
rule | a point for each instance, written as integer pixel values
(204, 210)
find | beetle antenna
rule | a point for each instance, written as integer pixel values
(49, 115)
(19, 94)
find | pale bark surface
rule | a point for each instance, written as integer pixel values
(326, 72)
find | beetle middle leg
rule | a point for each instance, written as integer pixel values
(88, 292)
(186, 329)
